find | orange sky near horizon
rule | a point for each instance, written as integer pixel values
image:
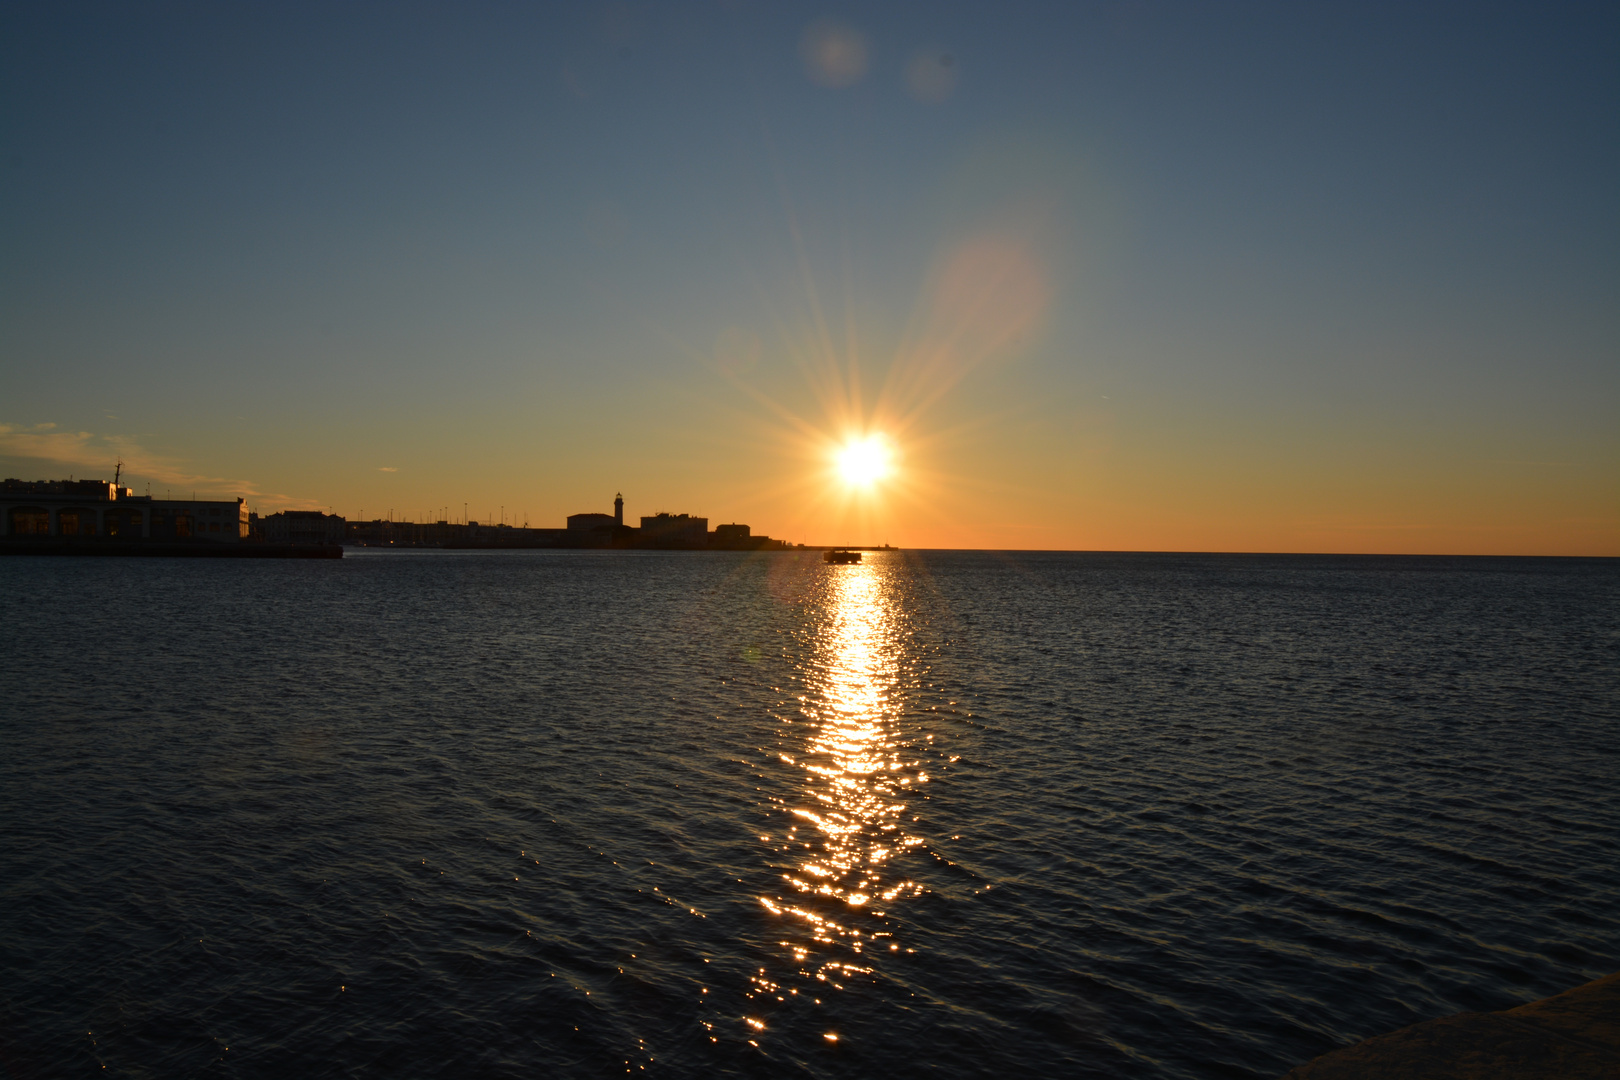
(1292, 280)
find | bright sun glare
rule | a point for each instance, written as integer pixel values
(864, 461)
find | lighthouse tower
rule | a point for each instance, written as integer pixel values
(618, 509)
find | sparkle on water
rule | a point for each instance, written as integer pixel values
(850, 815)
(750, 814)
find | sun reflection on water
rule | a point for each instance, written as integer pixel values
(848, 822)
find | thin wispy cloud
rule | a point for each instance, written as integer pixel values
(45, 448)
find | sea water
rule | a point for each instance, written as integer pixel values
(690, 814)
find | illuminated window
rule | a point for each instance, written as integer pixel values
(30, 521)
(76, 522)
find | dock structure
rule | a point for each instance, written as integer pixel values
(90, 511)
(93, 517)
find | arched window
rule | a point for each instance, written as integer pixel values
(30, 521)
(76, 522)
(125, 523)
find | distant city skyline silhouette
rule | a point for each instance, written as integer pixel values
(1262, 278)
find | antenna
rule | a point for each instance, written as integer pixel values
(117, 472)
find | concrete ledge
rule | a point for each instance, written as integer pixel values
(1570, 1036)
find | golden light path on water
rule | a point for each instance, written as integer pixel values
(848, 823)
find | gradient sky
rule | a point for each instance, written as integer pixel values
(1290, 277)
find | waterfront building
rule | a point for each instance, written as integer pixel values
(92, 513)
(737, 537)
(302, 527)
(96, 510)
(674, 531)
(501, 535)
(592, 522)
(450, 534)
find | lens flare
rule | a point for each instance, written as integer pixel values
(863, 462)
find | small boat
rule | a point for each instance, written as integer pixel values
(841, 556)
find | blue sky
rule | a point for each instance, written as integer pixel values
(1298, 277)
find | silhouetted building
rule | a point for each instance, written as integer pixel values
(592, 522)
(674, 531)
(450, 534)
(737, 537)
(598, 530)
(95, 509)
(173, 519)
(302, 527)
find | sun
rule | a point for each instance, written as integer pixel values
(862, 462)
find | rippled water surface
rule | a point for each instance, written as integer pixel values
(949, 814)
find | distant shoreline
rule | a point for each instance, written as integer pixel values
(97, 547)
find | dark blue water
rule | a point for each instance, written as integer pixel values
(526, 813)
